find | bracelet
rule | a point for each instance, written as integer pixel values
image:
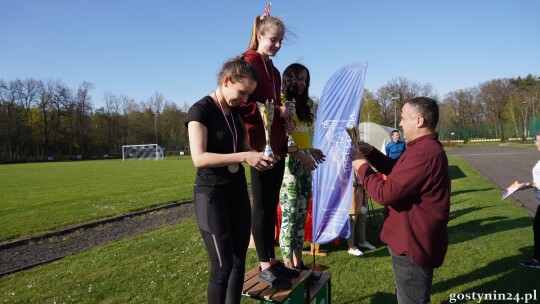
(528, 185)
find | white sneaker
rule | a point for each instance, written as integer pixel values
(355, 251)
(366, 245)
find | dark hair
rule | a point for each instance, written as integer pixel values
(394, 131)
(261, 26)
(302, 100)
(238, 68)
(427, 108)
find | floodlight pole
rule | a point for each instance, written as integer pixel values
(395, 110)
(155, 126)
(525, 130)
(533, 115)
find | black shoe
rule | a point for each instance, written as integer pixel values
(271, 277)
(286, 272)
(301, 268)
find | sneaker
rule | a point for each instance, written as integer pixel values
(286, 272)
(355, 251)
(271, 277)
(301, 267)
(532, 263)
(367, 245)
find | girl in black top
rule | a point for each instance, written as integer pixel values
(217, 140)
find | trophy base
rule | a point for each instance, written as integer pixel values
(292, 149)
(268, 151)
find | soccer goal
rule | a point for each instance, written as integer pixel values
(140, 152)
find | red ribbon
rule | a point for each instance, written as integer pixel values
(266, 11)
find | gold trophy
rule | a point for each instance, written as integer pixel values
(291, 145)
(355, 138)
(267, 114)
(353, 134)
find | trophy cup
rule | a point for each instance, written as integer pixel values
(291, 145)
(267, 114)
(353, 134)
(355, 138)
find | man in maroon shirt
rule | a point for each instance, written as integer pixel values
(416, 197)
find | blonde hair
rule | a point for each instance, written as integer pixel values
(260, 26)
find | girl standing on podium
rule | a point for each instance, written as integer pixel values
(218, 144)
(266, 37)
(302, 159)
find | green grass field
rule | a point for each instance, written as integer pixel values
(488, 237)
(41, 197)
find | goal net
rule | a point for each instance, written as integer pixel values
(140, 152)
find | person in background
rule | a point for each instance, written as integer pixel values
(534, 261)
(218, 144)
(396, 147)
(266, 37)
(357, 220)
(416, 199)
(296, 187)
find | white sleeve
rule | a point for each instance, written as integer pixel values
(536, 175)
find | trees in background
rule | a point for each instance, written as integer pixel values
(371, 110)
(48, 119)
(500, 108)
(393, 95)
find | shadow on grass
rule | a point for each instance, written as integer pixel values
(372, 236)
(377, 298)
(456, 173)
(458, 233)
(334, 247)
(480, 227)
(454, 193)
(501, 274)
(460, 212)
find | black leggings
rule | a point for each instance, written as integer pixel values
(224, 222)
(536, 231)
(265, 187)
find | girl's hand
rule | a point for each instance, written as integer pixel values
(306, 160)
(317, 155)
(286, 113)
(290, 126)
(259, 161)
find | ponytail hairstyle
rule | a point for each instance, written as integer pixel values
(302, 101)
(261, 24)
(237, 68)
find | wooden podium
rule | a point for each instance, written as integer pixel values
(301, 291)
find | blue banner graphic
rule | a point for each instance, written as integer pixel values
(339, 108)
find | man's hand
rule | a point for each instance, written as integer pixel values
(365, 148)
(358, 159)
